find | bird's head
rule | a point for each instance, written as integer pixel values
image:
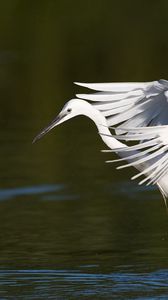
(71, 109)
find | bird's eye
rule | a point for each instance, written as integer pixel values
(69, 110)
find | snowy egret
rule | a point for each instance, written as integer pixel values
(139, 112)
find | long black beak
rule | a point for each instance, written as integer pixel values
(48, 128)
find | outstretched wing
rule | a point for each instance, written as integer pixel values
(153, 152)
(139, 112)
(130, 104)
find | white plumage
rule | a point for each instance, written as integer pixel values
(132, 104)
(138, 113)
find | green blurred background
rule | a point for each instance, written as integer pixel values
(47, 45)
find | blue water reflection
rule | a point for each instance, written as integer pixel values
(52, 191)
(75, 284)
(6, 194)
(89, 270)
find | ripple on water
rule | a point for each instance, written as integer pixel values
(47, 192)
(61, 192)
(57, 284)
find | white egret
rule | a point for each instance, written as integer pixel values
(139, 112)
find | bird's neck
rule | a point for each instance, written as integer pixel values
(101, 124)
(110, 141)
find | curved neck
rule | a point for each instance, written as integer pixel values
(108, 139)
(112, 143)
(101, 124)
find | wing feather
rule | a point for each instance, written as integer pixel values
(144, 103)
(153, 153)
(110, 96)
(114, 87)
(139, 113)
